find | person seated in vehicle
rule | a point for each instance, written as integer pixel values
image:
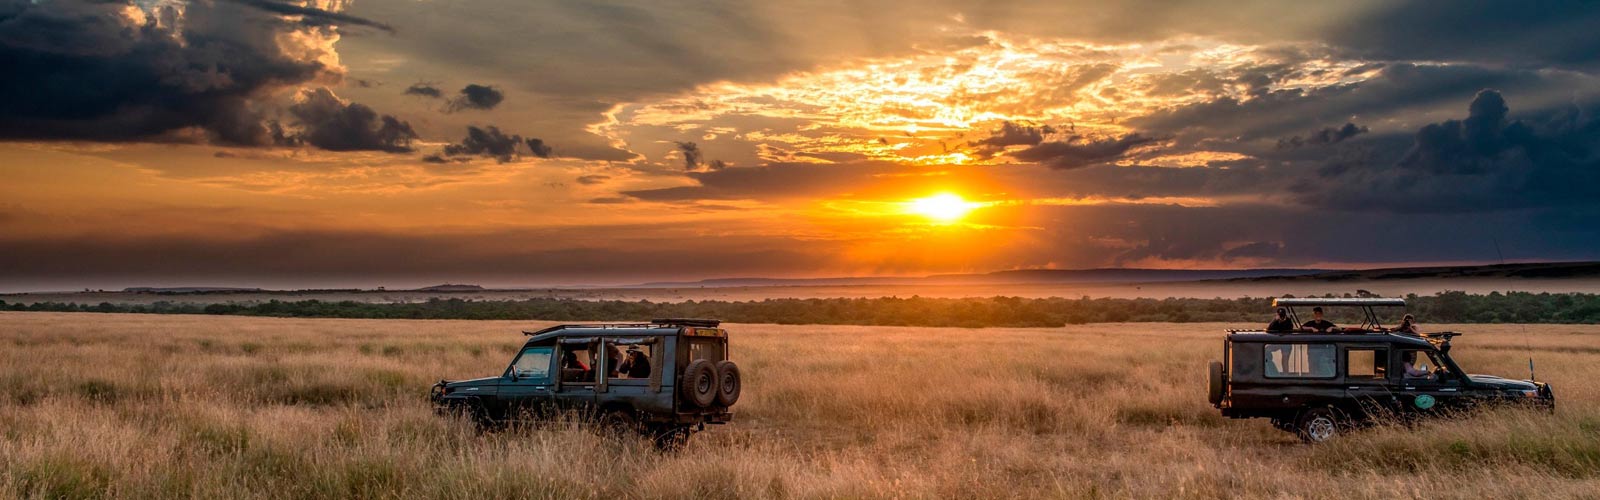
(1317, 323)
(1407, 325)
(613, 358)
(1282, 323)
(1412, 370)
(637, 365)
(573, 369)
(569, 361)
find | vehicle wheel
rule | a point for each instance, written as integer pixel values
(1283, 425)
(482, 421)
(1216, 374)
(672, 439)
(618, 424)
(728, 382)
(699, 384)
(1319, 424)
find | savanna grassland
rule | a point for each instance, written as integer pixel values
(146, 406)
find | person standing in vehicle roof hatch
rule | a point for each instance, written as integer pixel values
(1282, 323)
(1408, 324)
(1317, 323)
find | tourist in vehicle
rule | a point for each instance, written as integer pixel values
(613, 359)
(1282, 323)
(569, 361)
(1407, 325)
(1317, 323)
(636, 365)
(1412, 370)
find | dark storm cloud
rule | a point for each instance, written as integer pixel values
(1486, 162)
(1526, 34)
(1079, 152)
(515, 257)
(539, 148)
(311, 16)
(424, 89)
(479, 97)
(691, 154)
(1254, 250)
(332, 124)
(1012, 134)
(490, 142)
(89, 73)
(1323, 137)
(1393, 90)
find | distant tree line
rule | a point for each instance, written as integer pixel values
(1447, 307)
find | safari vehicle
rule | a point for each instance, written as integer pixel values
(1317, 384)
(667, 378)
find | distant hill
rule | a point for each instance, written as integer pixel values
(1535, 270)
(1538, 270)
(188, 289)
(451, 288)
(1027, 276)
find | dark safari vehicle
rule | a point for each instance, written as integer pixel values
(667, 378)
(1316, 379)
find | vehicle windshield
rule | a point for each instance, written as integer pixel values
(534, 362)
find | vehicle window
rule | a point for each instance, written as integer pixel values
(1366, 363)
(634, 362)
(533, 363)
(1300, 361)
(577, 364)
(1418, 364)
(706, 349)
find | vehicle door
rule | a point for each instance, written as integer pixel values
(632, 377)
(1366, 376)
(578, 368)
(1426, 385)
(526, 390)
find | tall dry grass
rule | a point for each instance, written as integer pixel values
(136, 406)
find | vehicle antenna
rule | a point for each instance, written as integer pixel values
(1525, 343)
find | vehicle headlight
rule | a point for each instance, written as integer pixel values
(1531, 393)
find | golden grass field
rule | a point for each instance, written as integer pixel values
(146, 406)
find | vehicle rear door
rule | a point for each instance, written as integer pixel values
(1366, 376)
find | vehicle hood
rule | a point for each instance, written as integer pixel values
(476, 382)
(1503, 383)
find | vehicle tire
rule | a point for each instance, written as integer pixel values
(728, 383)
(1216, 375)
(618, 424)
(1319, 425)
(699, 384)
(671, 439)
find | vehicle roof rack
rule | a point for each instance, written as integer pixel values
(1313, 301)
(595, 325)
(703, 323)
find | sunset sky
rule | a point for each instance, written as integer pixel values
(513, 142)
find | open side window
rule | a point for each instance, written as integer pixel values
(576, 363)
(1366, 363)
(1300, 361)
(1422, 366)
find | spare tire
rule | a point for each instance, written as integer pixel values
(699, 384)
(728, 382)
(1216, 383)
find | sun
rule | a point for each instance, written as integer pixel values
(942, 207)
